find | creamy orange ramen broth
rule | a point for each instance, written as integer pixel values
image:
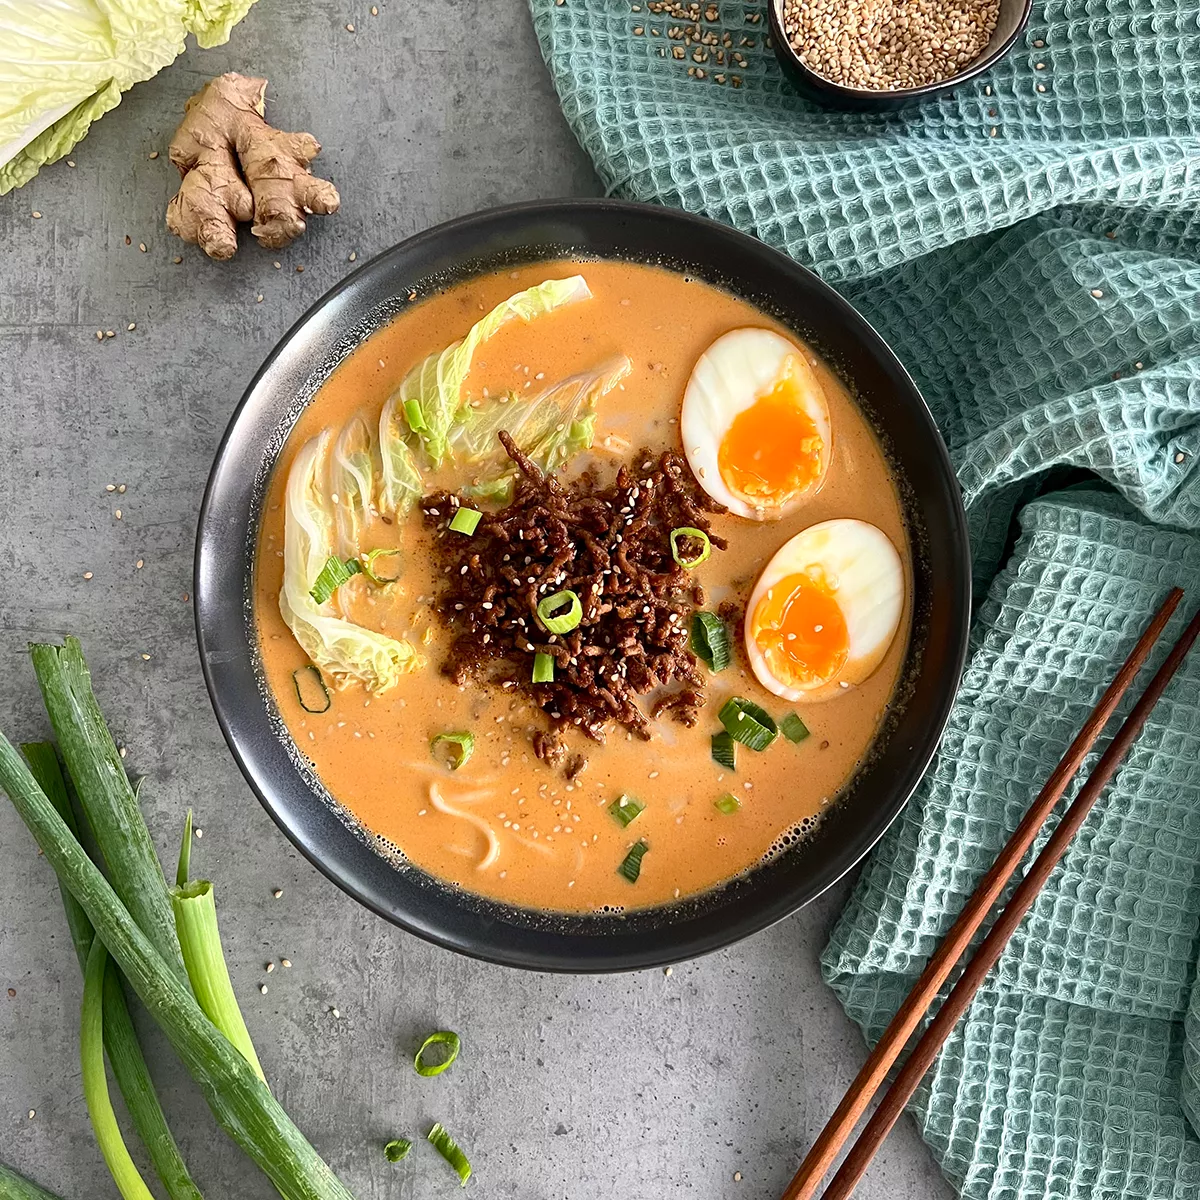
(508, 825)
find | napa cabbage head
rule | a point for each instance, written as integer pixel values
(434, 386)
(65, 63)
(341, 649)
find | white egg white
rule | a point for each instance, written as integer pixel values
(866, 574)
(734, 372)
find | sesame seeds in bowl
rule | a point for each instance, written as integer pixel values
(881, 54)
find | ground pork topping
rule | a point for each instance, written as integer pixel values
(609, 544)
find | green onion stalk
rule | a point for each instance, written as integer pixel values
(16, 1187)
(241, 1102)
(120, 1040)
(124, 1171)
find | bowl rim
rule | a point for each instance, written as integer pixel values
(572, 953)
(868, 98)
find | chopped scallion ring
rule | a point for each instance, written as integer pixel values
(625, 808)
(466, 520)
(414, 416)
(311, 690)
(710, 641)
(631, 864)
(334, 573)
(692, 534)
(443, 1037)
(382, 565)
(460, 746)
(728, 804)
(793, 728)
(556, 621)
(397, 1149)
(543, 667)
(450, 1150)
(747, 723)
(724, 750)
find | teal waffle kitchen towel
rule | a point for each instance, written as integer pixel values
(1029, 248)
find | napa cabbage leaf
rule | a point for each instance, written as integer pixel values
(341, 649)
(434, 386)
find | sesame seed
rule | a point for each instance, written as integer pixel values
(153, 154)
(262, 987)
(1180, 456)
(117, 514)
(121, 489)
(177, 260)
(130, 327)
(37, 216)
(142, 247)
(199, 833)
(145, 658)
(276, 265)
(87, 574)
(1097, 293)
(270, 967)
(285, 963)
(277, 893)
(139, 564)
(353, 255)
(349, 27)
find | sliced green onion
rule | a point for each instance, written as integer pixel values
(727, 803)
(543, 667)
(121, 1166)
(120, 1041)
(687, 531)
(793, 728)
(710, 641)
(724, 750)
(311, 690)
(564, 622)
(747, 723)
(185, 853)
(382, 566)
(451, 1151)
(414, 416)
(466, 520)
(460, 747)
(631, 864)
(397, 1149)
(334, 573)
(443, 1037)
(625, 808)
(200, 940)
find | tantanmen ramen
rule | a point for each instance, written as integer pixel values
(584, 586)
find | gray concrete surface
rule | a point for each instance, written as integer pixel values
(631, 1087)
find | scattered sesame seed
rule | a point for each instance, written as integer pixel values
(37, 216)
(123, 751)
(1097, 293)
(277, 893)
(259, 298)
(285, 962)
(262, 987)
(153, 154)
(276, 265)
(110, 487)
(1039, 66)
(177, 260)
(139, 564)
(1039, 43)
(130, 327)
(336, 1014)
(1180, 456)
(110, 333)
(87, 574)
(145, 658)
(199, 833)
(32, 1113)
(117, 514)
(668, 971)
(737, 1177)
(1041, 87)
(121, 488)
(12, 993)
(270, 967)
(142, 247)
(70, 162)
(353, 255)
(299, 268)
(99, 335)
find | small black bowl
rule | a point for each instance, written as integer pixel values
(1011, 21)
(502, 239)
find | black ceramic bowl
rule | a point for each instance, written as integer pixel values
(278, 772)
(1012, 19)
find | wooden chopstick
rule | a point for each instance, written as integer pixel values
(825, 1149)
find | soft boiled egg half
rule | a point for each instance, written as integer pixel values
(755, 424)
(825, 610)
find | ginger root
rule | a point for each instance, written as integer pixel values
(236, 167)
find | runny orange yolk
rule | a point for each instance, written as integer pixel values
(801, 631)
(772, 450)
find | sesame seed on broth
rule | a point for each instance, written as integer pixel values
(509, 825)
